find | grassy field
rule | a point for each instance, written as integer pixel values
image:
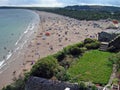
(92, 66)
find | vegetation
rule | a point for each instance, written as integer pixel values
(45, 67)
(91, 43)
(71, 64)
(17, 85)
(83, 14)
(92, 66)
(115, 59)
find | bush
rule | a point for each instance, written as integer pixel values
(60, 56)
(115, 59)
(93, 45)
(45, 67)
(67, 62)
(17, 85)
(61, 74)
(82, 86)
(89, 40)
(75, 51)
(83, 49)
(80, 45)
(66, 50)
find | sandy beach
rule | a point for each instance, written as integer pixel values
(54, 32)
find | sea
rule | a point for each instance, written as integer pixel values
(16, 27)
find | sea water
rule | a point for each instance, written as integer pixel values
(15, 24)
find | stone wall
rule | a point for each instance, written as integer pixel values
(36, 83)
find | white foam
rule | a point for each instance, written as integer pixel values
(17, 49)
(18, 40)
(32, 27)
(28, 28)
(1, 64)
(9, 55)
(4, 69)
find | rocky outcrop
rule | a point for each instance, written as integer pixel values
(36, 83)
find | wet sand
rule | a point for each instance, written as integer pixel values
(54, 33)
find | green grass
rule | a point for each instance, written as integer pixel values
(92, 66)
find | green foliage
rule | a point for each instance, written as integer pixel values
(83, 14)
(75, 51)
(92, 66)
(66, 50)
(60, 55)
(61, 74)
(17, 85)
(89, 40)
(94, 88)
(93, 45)
(67, 62)
(82, 86)
(45, 67)
(80, 44)
(115, 59)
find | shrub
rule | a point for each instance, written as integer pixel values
(61, 74)
(83, 49)
(94, 87)
(89, 40)
(67, 62)
(115, 59)
(45, 67)
(17, 85)
(93, 45)
(81, 44)
(82, 86)
(66, 50)
(75, 51)
(60, 56)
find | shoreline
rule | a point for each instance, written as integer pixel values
(61, 30)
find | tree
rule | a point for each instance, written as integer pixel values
(45, 67)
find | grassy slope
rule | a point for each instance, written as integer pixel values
(93, 66)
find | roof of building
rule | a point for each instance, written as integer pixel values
(111, 31)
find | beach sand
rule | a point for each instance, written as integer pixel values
(54, 33)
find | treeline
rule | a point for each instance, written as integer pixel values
(82, 14)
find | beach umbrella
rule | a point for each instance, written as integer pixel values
(47, 34)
